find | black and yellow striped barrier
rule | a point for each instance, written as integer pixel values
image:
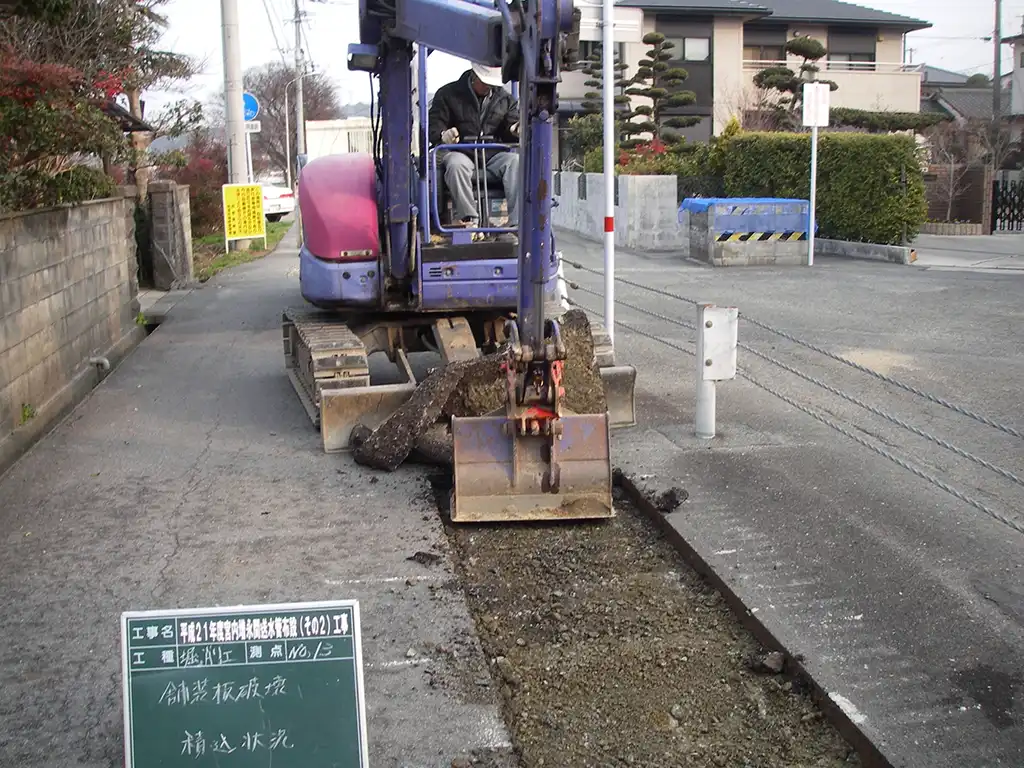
(760, 237)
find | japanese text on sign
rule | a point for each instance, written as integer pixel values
(243, 211)
(272, 686)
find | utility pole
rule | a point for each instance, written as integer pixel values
(300, 70)
(237, 160)
(997, 60)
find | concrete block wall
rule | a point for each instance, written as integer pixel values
(170, 235)
(645, 212)
(68, 292)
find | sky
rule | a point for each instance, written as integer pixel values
(954, 41)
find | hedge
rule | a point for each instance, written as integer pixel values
(860, 194)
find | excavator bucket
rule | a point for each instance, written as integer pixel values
(501, 476)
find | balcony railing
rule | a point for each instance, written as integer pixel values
(837, 65)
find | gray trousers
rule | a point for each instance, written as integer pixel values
(458, 177)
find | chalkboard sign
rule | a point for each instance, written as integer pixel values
(265, 685)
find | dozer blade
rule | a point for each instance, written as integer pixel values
(503, 477)
(342, 408)
(619, 392)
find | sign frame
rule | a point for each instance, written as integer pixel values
(246, 98)
(263, 216)
(817, 104)
(357, 648)
(253, 126)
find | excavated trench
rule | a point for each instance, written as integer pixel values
(609, 650)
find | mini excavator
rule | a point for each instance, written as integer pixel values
(384, 272)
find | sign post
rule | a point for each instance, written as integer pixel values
(244, 217)
(251, 109)
(251, 127)
(267, 685)
(816, 114)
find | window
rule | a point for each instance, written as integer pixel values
(688, 48)
(764, 53)
(851, 48)
(854, 61)
(590, 48)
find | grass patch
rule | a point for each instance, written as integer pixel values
(208, 251)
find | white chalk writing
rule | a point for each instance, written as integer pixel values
(194, 744)
(183, 694)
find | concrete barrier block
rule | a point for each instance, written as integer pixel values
(895, 254)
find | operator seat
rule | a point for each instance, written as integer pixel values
(495, 195)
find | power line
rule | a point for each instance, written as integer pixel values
(273, 31)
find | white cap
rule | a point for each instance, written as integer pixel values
(488, 75)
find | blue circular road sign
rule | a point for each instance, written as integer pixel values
(250, 105)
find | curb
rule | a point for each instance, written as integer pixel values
(870, 755)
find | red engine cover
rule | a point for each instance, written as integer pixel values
(338, 205)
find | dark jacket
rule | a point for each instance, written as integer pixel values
(456, 105)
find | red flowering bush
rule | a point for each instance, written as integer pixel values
(49, 118)
(203, 166)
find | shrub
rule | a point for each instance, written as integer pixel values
(29, 188)
(689, 163)
(860, 193)
(49, 120)
(203, 167)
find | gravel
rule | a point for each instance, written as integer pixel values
(609, 650)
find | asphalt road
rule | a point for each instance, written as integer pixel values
(906, 601)
(193, 477)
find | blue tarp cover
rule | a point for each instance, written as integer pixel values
(752, 214)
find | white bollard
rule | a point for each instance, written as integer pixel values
(563, 291)
(717, 340)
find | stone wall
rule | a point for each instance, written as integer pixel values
(68, 295)
(170, 236)
(645, 210)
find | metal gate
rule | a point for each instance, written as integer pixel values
(1008, 206)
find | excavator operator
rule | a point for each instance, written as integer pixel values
(473, 108)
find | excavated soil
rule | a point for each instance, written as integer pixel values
(609, 650)
(473, 388)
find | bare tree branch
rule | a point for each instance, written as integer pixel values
(268, 83)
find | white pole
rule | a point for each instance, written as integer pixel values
(300, 66)
(705, 416)
(287, 143)
(234, 111)
(248, 158)
(814, 194)
(608, 69)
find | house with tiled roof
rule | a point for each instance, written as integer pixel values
(722, 44)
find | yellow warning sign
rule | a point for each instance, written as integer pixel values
(243, 212)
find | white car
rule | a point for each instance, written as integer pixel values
(278, 202)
